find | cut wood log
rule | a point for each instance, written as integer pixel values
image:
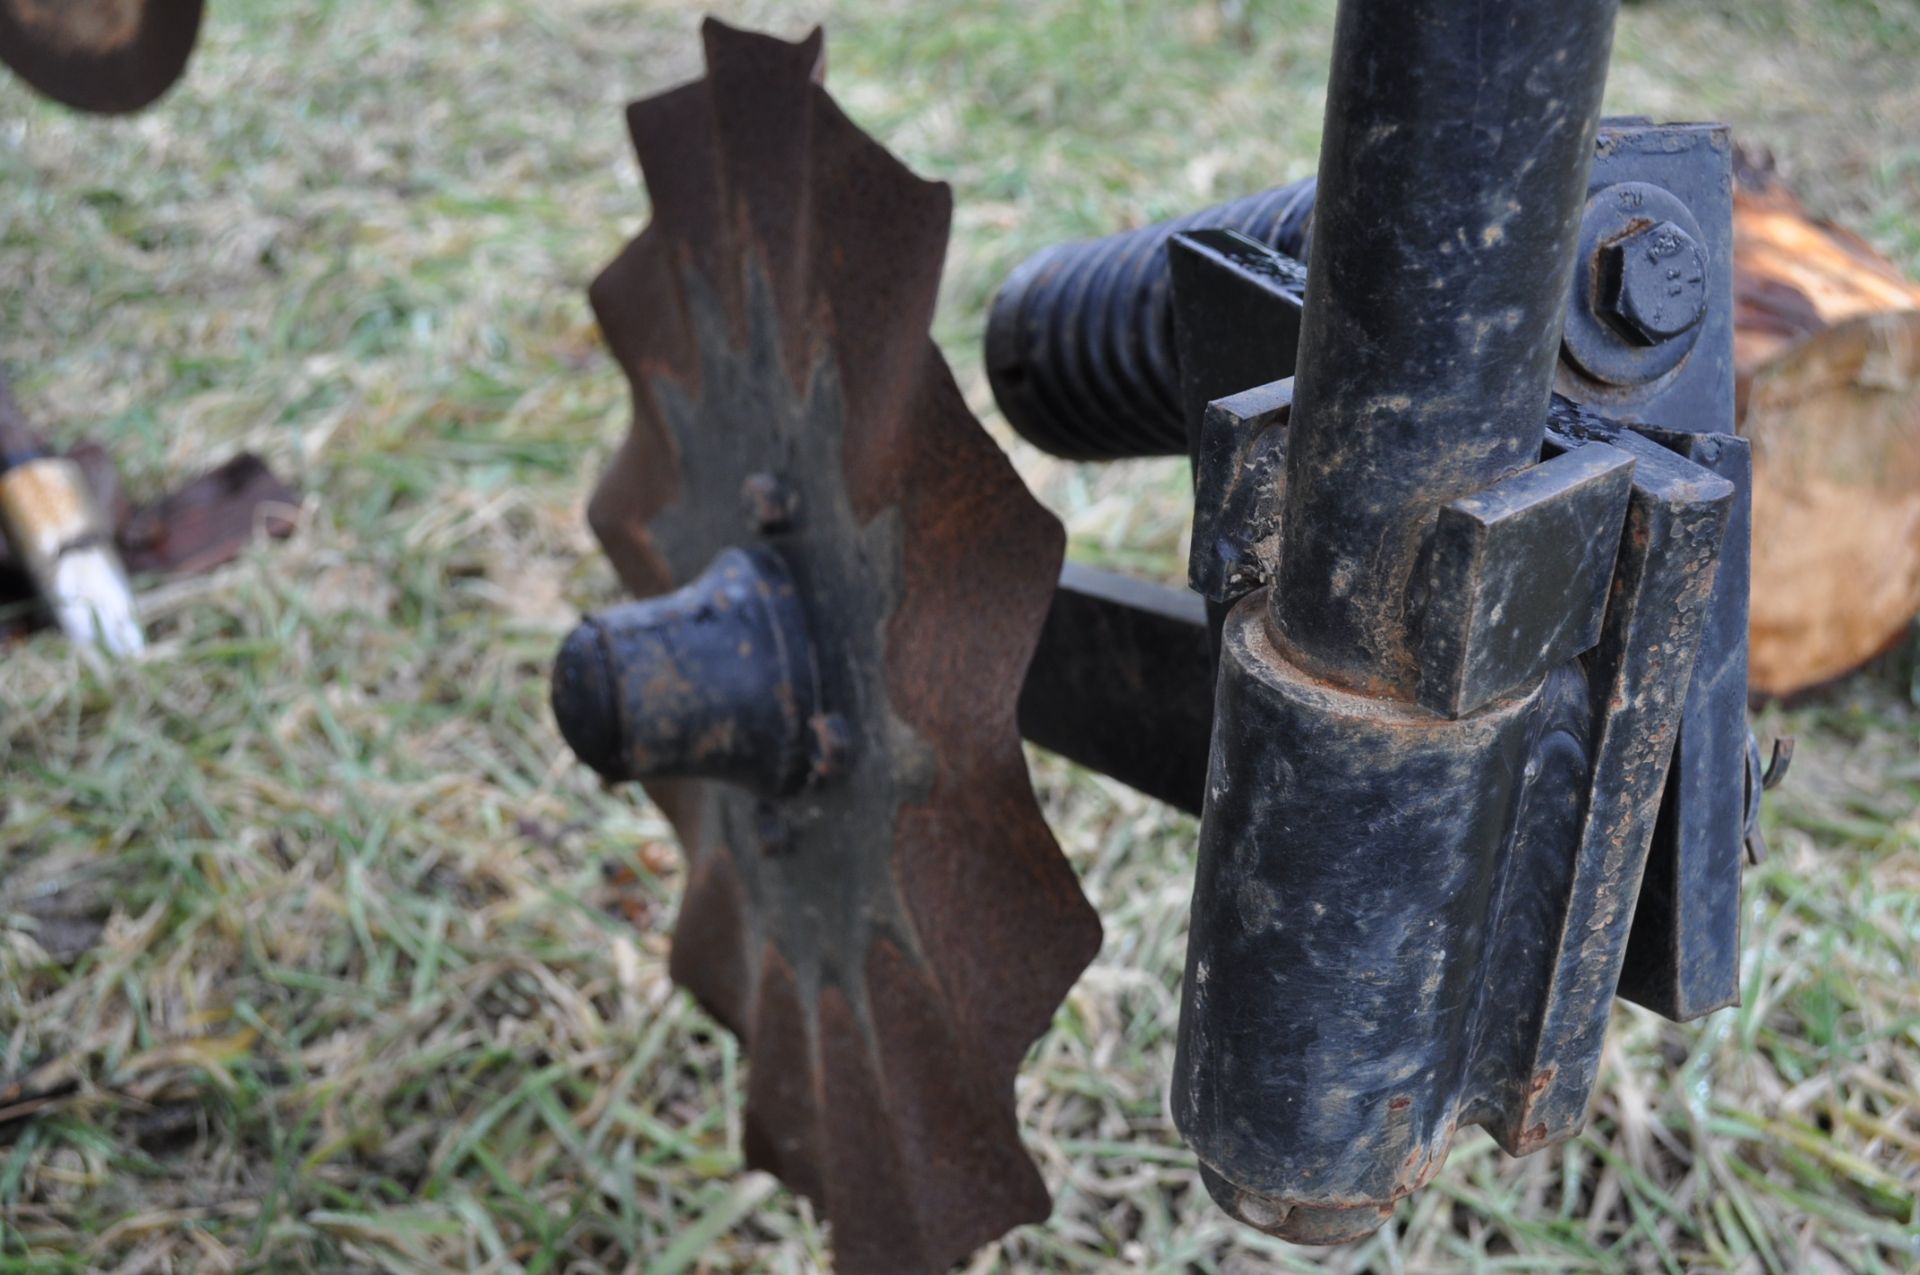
(1827, 355)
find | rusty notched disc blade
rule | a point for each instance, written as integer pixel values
(109, 56)
(889, 942)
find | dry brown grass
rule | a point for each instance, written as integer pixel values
(308, 929)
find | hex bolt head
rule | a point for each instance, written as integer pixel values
(770, 504)
(1654, 282)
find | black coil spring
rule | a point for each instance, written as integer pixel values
(1080, 346)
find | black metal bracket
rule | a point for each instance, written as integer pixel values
(1479, 754)
(1238, 304)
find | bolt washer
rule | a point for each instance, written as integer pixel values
(1593, 343)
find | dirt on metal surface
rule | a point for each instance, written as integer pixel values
(888, 942)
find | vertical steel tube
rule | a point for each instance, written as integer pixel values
(1452, 176)
(1352, 844)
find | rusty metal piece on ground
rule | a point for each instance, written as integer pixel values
(194, 529)
(207, 523)
(888, 928)
(62, 540)
(107, 56)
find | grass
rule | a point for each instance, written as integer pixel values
(327, 958)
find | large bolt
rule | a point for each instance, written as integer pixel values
(1654, 282)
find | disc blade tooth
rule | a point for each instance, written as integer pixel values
(643, 335)
(952, 1116)
(713, 941)
(783, 1118)
(644, 477)
(875, 1227)
(634, 486)
(673, 136)
(1000, 918)
(879, 238)
(762, 93)
(997, 909)
(989, 577)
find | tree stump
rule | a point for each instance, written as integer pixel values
(1827, 356)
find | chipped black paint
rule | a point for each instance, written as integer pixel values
(1405, 924)
(1452, 174)
(1338, 930)
(1062, 317)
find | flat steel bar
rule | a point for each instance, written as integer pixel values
(1122, 683)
